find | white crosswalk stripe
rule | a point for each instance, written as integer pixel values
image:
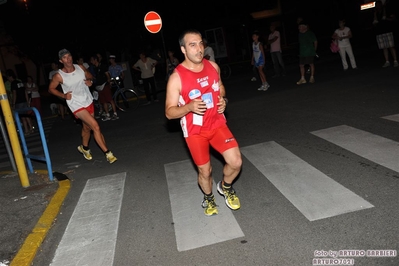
(313, 193)
(392, 117)
(90, 237)
(372, 147)
(192, 228)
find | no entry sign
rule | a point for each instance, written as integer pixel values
(153, 22)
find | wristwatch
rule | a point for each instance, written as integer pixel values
(226, 100)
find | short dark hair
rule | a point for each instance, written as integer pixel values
(189, 31)
(95, 57)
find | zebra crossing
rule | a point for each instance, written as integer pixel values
(33, 142)
(312, 192)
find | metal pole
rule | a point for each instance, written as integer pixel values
(164, 47)
(12, 132)
(7, 144)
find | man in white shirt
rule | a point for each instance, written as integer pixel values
(208, 51)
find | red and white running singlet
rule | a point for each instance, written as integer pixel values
(205, 85)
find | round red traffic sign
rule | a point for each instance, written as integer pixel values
(153, 22)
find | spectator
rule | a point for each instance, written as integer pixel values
(343, 35)
(383, 27)
(208, 51)
(7, 85)
(275, 52)
(116, 70)
(146, 65)
(102, 84)
(258, 60)
(33, 90)
(307, 51)
(20, 100)
(171, 63)
(82, 62)
(299, 20)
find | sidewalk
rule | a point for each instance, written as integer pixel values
(21, 209)
(27, 213)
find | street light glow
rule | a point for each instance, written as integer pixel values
(367, 6)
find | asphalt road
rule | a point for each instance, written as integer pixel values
(275, 231)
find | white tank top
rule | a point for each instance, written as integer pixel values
(256, 51)
(74, 82)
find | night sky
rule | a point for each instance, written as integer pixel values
(86, 27)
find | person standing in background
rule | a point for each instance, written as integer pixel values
(20, 100)
(146, 65)
(307, 51)
(343, 35)
(299, 20)
(275, 52)
(116, 70)
(208, 51)
(258, 60)
(33, 90)
(171, 63)
(101, 83)
(383, 27)
(82, 62)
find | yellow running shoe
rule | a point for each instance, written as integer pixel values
(110, 157)
(86, 153)
(210, 207)
(230, 197)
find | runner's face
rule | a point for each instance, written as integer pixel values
(193, 48)
(67, 60)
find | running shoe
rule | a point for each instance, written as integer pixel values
(86, 153)
(266, 86)
(395, 64)
(253, 79)
(261, 88)
(106, 118)
(98, 115)
(311, 80)
(110, 157)
(387, 64)
(115, 117)
(301, 81)
(230, 197)
(210, 207)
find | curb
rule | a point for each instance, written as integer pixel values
(29, 248)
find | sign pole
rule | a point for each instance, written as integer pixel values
(164, 47)
(153, 23)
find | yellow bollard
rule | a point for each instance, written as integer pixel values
(12, 133)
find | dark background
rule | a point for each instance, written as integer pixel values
(41, 27)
